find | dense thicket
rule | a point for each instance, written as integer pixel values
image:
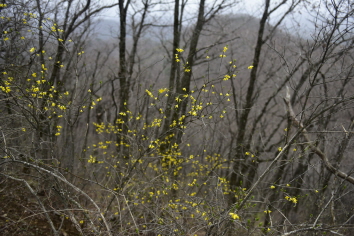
(178, 118)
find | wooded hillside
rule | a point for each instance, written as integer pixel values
(176, 118)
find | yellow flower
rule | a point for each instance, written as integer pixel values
(250, 67)
(280, 149)
(227, 77)
(291, 199)
(272, 187)
(234, 216)
(5, 89)
(179, 50)
(32, 49)
(162, 90)
(34, 74)
(294, 200)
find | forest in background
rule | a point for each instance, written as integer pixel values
(176, 118)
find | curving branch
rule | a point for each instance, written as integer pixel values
(315, 149)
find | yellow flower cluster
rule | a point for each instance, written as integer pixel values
(291, 199)
(5, 89)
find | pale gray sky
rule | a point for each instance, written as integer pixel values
(251, 7)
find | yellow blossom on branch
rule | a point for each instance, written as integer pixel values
(291, 199)
(5, 89)
(162, 90)
(227, 77)
(234, 216)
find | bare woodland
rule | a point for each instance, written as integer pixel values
(176, 118)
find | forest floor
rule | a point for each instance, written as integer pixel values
(20, 215)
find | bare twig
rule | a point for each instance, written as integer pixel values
(314, 148)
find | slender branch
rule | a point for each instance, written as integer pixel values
(314, 148)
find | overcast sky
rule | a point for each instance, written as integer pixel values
(251, 7)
